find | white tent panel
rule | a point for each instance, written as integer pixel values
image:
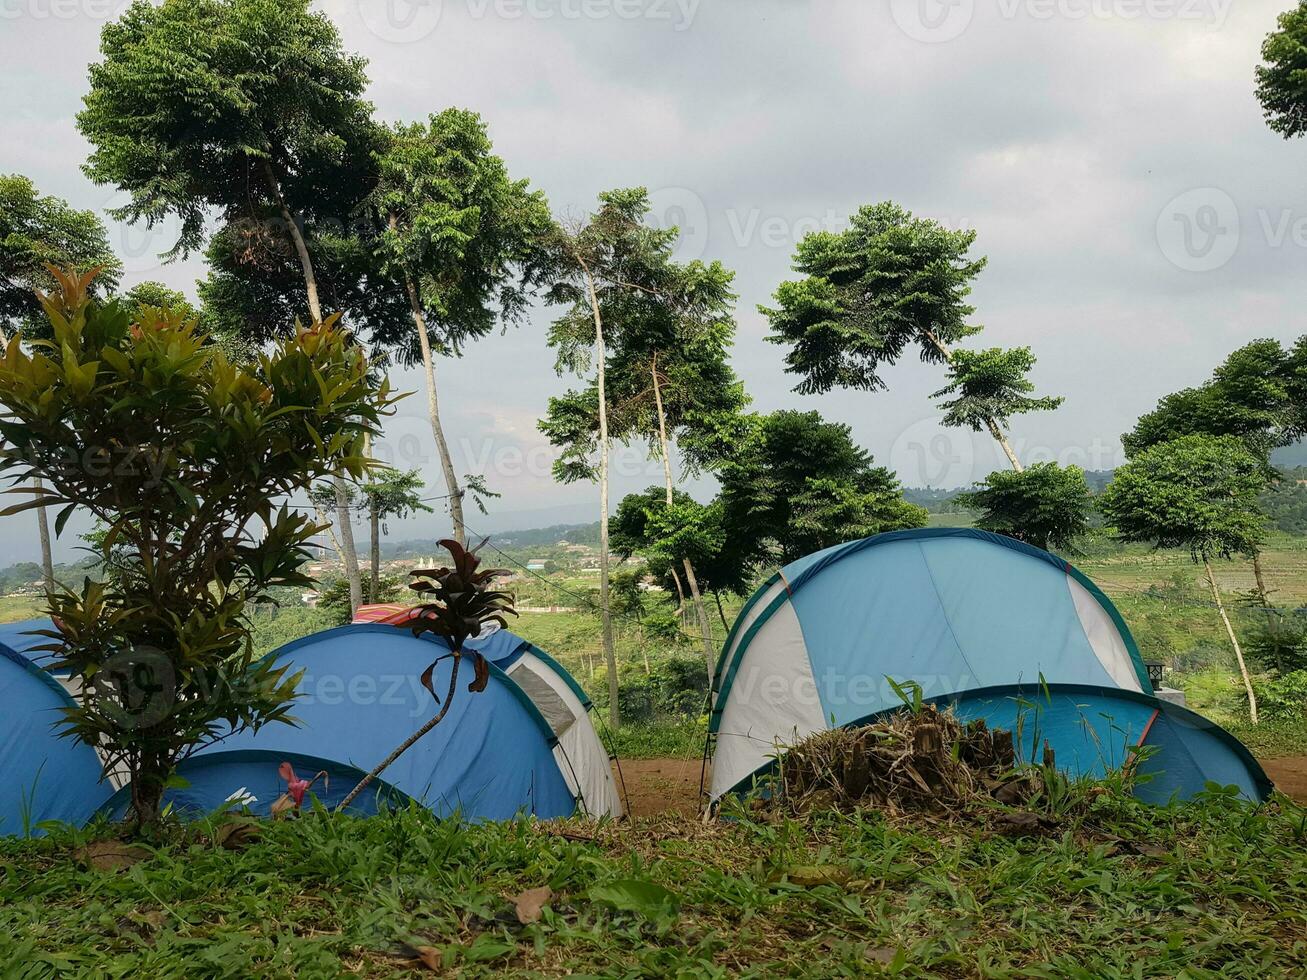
(1104, 637)
(581, 756)
(775, 681)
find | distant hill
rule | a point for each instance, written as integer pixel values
(536, 537)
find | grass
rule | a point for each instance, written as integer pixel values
(662, 739)
(1208, 889)
(16, 608)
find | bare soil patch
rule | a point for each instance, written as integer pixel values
(1289, 776)
(656, 786)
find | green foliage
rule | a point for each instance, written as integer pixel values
(665, 536)
(1285, 502)
(36, 232)
(393, 493)
(158, 296)
(1283, 697)
(457, 228)
(335, 606)
(179, 454)
(233, 105)
(668, 330)
(1197, 492)
(799, 484)
(1278, 640)
(1255, 394)
(255, 283)
(990, 386)
(1282, 80)
(1046, 505)
(889, 282)
(676, 688)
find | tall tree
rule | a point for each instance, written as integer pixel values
(388, 493)
(1253, 395)
(461, 239)
(36, 233)
(889, 283)
(155, 295)
(590, 264)
(1045, 505)
(669, 380)
(986, 388)
(1197, 492)
(1282, 80)
(193, 449)
(799, 484)
(247, 108)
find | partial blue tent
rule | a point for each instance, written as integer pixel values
(22, 638)
(581, 755)
(491, 758)
(1094, 730)
(251, 778)
(42, 776)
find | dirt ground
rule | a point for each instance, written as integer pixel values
(672, 785)
(1289, 776)
(661, 786)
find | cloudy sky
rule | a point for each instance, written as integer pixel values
(1139, 219)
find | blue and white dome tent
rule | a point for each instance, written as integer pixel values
(494, 755)
(955, 610)
(582, 758)
(42, 776)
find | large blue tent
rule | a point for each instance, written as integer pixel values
(824, 642)
(42, 776)
(491, 758)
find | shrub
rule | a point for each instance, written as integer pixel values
(138, 419)
(1278, 640)
(1283, 697)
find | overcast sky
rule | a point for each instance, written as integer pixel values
(1139, 219)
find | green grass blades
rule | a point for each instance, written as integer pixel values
(1208, 889)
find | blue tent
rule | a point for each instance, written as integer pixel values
(955, 610)
(42, 776)
(1096, 729)
(491, 758)
(21, 638)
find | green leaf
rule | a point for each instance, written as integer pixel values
(646, 898)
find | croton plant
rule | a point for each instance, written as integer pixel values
(134, 417)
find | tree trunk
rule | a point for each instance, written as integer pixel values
(349, 552)
(717, 596)
(375, 583)
(680, 596)
(301, 248)
(1234, 642)
(409, 742)
(43, 526)
(605, 611)
(1262, 593)
(997, 433)
(701, 611)
(991, 423)
(433, 411)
